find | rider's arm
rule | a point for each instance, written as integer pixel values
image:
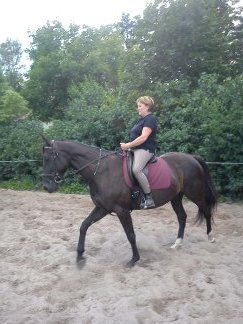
(139, 140)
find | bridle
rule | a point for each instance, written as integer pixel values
(59, 178)
(56, 176)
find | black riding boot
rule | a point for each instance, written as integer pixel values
(148, 202)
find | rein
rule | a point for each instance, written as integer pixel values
(95, 160)
(58, 178)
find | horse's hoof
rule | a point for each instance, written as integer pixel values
(211, 239)
(80, 262)
(177, 244)
(132, 263)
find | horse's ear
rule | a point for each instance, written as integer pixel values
(47, 142)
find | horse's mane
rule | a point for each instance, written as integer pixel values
(97, 148)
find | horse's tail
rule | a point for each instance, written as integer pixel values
(211, 193)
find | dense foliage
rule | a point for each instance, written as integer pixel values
(83, 83)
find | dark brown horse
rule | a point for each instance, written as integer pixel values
(103, 171)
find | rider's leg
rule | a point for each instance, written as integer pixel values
(141, 158)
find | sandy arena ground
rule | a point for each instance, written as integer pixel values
(201, 282)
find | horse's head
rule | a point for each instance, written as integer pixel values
(54, 165)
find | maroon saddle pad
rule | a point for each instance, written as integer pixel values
(159, 174)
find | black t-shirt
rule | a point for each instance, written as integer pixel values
(136, 131)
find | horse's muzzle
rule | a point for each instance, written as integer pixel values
(50, 187)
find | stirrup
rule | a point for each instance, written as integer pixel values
(147, 202)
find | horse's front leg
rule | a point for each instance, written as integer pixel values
(96, 214)
(126, 221)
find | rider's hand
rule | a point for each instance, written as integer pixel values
(125, 146)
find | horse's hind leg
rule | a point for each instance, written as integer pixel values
(126, 221)
(96, 214)
(181, 216)
(205, 212)
(209, 228)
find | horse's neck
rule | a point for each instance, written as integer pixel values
(91, 163)
(83, 154)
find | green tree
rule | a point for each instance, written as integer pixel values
(10, 60)
(126, 27)
(98, 54)
(3, 83)
(236, 55)
(46, 88)
(13, 106)
(184, 38)
(47, 39)
(60, 61)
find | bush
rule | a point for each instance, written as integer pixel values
(205, 121)
(22, 183)
(21, 141)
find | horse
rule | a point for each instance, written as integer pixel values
(103, 171)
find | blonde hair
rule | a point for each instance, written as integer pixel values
(146, 100)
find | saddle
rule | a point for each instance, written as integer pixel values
(157, 171)
(130, 159)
